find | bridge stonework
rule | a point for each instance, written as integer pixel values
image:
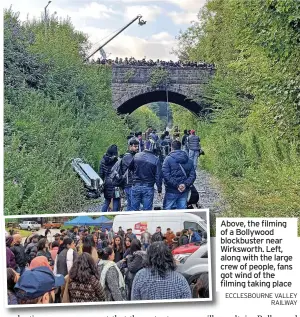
(132, 86)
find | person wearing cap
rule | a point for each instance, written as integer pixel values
(37, 286)
(194, 147)
(194, 235)
(146, 172)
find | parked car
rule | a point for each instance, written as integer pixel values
(187, 248)
(194, 267)
(29, 225)
(52, 225)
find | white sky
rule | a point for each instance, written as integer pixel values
(98, 19)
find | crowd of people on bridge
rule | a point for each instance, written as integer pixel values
(160, 63)
(85, 265)
(152, 160)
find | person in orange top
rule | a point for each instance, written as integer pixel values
(169, 235)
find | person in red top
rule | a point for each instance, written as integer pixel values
(54, 249)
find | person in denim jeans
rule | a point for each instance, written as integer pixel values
(133, 145)
(194, 147)
(146, 172)
(179, 175)
(184, 142)
(106, 164)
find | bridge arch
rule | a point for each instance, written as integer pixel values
(133, 86)
(142, 98)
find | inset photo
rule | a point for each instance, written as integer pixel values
(113, 258)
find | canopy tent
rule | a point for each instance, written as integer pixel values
(102, 219)
(80, 221)
(107, 225)
(104, 222)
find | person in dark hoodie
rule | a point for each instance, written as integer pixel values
(110, 193)
(179, 175)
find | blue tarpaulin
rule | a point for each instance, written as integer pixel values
(102, 219)
(81, 220)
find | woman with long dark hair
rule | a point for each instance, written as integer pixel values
(111, 193)
(10, 257)
(111, 278)
(159, 280)
(12, 279)
(135, 261)
(89, 246)
(97, 240)
(127, 244)
(43, 250)
(118, 249)
(84, 285)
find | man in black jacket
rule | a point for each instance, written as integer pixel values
(126, 161)
(146, 172)
(19, 252)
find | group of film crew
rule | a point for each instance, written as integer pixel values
(133, 62)
(82, 265)
(153, 161)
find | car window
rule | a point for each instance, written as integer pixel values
(189, 224)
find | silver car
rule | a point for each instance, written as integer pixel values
(194, 267)
(29, 225)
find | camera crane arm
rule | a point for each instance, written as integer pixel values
(141, 22)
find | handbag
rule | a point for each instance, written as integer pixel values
(189, 190)
(65, 291)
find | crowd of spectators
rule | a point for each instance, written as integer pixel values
(134, 62)
(85, 265)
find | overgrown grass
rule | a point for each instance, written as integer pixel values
(259, 174)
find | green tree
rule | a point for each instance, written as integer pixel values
(55, 109)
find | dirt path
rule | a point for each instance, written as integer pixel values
(206, 185)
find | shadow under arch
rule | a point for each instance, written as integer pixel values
(159, 95)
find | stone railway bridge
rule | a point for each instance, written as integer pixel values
(134, 86)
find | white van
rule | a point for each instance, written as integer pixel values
(176, 221)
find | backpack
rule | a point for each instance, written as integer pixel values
(116, 177)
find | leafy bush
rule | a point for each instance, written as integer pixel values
(56, 108)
